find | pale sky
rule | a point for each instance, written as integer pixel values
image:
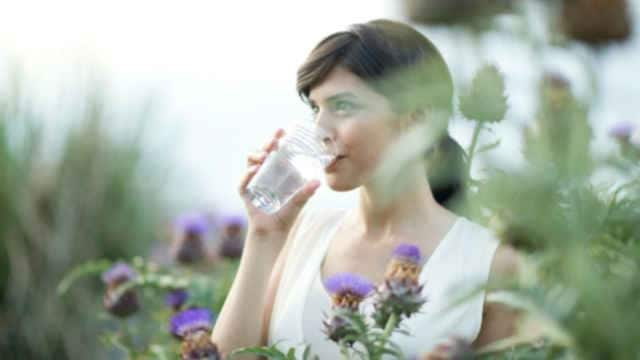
(224, 72)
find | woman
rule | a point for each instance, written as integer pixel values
(369, 88)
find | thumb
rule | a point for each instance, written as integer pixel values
(299, 199)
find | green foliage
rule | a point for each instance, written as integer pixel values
(145, 334)
(66, 197)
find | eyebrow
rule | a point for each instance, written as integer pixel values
(338, 96)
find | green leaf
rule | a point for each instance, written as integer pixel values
(291, 354)
(271, 352)
(306, 353)
(159, 352)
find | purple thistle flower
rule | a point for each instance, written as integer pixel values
(176, 298)
(234, 220)
(401, 293)
(118, 303)
(118, 273)
(188, 246)
(190, 320)
(622, 131)
(348, 289)
(197, 345)
(232, 238)
(402, 297)
(347, 282)
(121, 305)
(193, 223)
(408, 252)
(405, 263)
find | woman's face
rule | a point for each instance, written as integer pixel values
(360, 124)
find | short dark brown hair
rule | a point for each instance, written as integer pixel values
(401, 64)
(393, 58)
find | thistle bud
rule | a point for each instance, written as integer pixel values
(118, 303)
(176, 298)
(193, 326)
(347, 291)
(232, 238)
(188, 244)
(401, 294)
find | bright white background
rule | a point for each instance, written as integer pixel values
(223, 73)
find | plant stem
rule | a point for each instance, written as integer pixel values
(472, 148)
(388, 329)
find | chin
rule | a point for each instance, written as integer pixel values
(336, 184)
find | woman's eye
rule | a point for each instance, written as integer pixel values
(343, 106)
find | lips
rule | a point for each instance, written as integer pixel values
(332, 165)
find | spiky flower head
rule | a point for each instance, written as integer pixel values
(338, 327)
(401, 294)
(190, 320)
(485, 101)
(121, 304)
(234, 221)
(197, 345)
(232, 236)
(405, 263)
(176, 298)
(116, 302)
(193, 223)
(348, 290)
(622, 131)
(402, 297)
(555, 91)
(188, 245)
(119, 273)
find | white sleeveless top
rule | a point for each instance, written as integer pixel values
(460, 263)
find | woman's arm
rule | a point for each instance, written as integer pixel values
(499, 320)
(240, 321)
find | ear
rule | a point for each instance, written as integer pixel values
(408, 121)
(413, 118)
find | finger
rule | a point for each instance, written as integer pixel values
(256, 158)
(272, 144)
(242, 189)
(301, 197)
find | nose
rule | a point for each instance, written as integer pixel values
(327, 131)
(328, 138)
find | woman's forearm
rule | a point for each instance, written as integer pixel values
(240, 321)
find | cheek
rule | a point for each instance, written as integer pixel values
(364, 144)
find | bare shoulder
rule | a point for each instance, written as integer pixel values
(507, 262)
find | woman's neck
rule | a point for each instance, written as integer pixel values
(407, 211)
